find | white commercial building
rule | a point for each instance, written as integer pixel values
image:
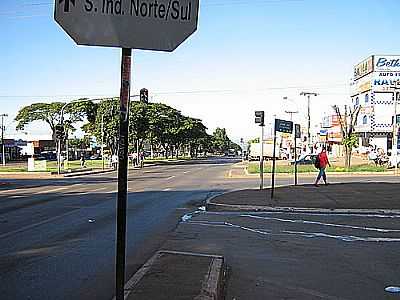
(372, 90)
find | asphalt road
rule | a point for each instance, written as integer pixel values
(57, 237)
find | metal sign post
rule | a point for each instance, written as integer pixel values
(297, 135)
(122, 171)
(273, 164)
(285, 127)
(262, 158)
(160, 25)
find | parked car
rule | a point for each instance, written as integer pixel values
(308, 159)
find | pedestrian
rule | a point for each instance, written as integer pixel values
(82, 161)
(321, 163)
(114, 161)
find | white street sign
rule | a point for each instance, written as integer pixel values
(138, 24)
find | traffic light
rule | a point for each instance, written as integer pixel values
(259, 117)
(59, 131)
(144, 95)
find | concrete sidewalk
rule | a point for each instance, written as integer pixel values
(361, 196)
(284, 255)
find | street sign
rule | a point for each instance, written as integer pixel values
(297, 131)
(259, 117)
(136, 24)
(283, 126)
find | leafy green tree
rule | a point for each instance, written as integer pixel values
(107, 111)
(164, 123)
(47, 112)
(50, 113)
(194, 134)
(139, 122)
(221, 141)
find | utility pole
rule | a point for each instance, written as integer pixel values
(309, 94)
(2, 138)
(290, 112)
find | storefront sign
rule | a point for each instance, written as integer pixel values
(362, 85)
(364, 68)
(387, 63)
(384, 81)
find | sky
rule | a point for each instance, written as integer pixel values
(246, 55)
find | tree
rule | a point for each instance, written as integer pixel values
(164, 123)
(138, 122)
(347, 125)
(220, 142)
(47, 112)
(108, 112)
(51, 114)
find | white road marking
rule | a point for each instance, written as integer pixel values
(170, 177)
(102, 189)
(167, 189)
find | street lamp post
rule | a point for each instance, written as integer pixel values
(290, 112)
(309, 94)
(2, 138)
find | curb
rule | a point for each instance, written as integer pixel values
(290, 175)
(87, 173)
(212, 287)
(218, 207)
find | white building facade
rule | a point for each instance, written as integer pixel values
(372, 90)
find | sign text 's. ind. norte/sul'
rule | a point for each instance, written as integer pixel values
(138, 24)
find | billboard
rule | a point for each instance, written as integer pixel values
(386, 63)
(378, 63)
(364, 68)
(383, 81)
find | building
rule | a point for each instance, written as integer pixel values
(371, 88)
(12, 149)
(331, 135)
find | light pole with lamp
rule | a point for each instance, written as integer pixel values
(2, 138)
(291, 113)
(309, 94)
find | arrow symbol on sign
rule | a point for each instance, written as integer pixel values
(66, 4)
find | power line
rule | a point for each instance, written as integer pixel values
(219, 91)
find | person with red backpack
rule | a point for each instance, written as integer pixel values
(321, 162)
